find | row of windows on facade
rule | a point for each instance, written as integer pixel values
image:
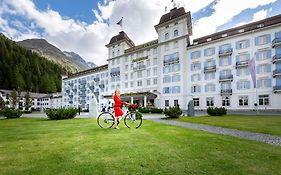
(102, 75)
(227, 61)
(175, 34)
(140, 83)
(78, 99)
(132, 56)
(241, 44)
(140, 64)
(228, 73)
(263, 100)
(141, 73)
(240, 85)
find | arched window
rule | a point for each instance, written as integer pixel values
(166, 36)
(176, 33)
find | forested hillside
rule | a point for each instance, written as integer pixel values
(20, 68)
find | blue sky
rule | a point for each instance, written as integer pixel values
(86, 26)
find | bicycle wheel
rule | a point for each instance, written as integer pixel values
(105, 120)
(133, 120)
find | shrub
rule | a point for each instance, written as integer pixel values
(61, 113)
(173, 112)
(216, 111)
(27, 112)
(156, 110)
(11, 113)
(143, 110)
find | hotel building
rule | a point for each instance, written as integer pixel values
(172, 70)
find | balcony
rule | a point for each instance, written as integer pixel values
(276, 58)
(276, 89)
(276, 42)
(96, 93)
(210, 68)
(102, 86)
(226, 78)
(115, 73)
(97, 79)
(226, 92)
(171, 61)
(92, 87)
(82, 82)
(67, 90)
(242, 63)
(70, 95)
(82, 94)
(70, 101)
(71, 84)
(276, 72)
(225, 52)
(140, 67)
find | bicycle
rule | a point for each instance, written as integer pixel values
(132, 118)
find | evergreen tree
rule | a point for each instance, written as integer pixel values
(14, 98)
(27, 100)
(2, 103)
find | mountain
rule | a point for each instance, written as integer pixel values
(77, 59)
(25, 70)
(68, 60)
(91, 64)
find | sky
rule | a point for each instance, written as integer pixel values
(86, 26)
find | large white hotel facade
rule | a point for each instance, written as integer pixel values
(172, 70)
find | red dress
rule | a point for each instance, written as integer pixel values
(117, 106)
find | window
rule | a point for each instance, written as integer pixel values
(148, 62)
(209, 51)
(242, 44)
(263, 55)
(263, 100)
(126, 76)
(155, 81)
(264, 39)
(176, 33)
(148, 72)
(166, 36)
(175, 89)
(196, 102)
(243, 71)
(243, 101)
(148, 82)
(196, 66)
(225, 101)
(166, 79)
(154, 71)
(139, 74)
(166, 103)
(210, 101)
(139, 83)
(176, 78)
(132, 75)
(263, 68)
(154, 50)
(196, 77)
(166, 90)
(118, 60)
(195, 54)
(176, 102)
(113, 54)
(166, 46)
(264, 83)
(208, 76)
(126, 67)
(176, 44)
(132, 84)
(243, 84)
(195, 88)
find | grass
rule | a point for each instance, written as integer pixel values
(262, 124)
(79, 146)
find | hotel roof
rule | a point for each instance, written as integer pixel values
(88, 71)
(122, 36)
(238, 30)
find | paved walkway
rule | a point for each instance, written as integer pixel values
(266, 138)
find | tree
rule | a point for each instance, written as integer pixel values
(27, 100)
(2, 103)
(14, 98)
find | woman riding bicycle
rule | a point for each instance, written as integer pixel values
(117, 107)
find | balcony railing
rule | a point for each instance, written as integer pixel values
(82, 87)
(171, 61)
(225, 52)
(226, 92)
(276, 41)
(96, 79)
(276, 89)
(82, 82)
(102, 86)
(276, 72)
(210, 68)
(82, 94)
(242, 63)
(140, 67)
(71, 84)
(276, 58)
(226, 78)
(116, 73)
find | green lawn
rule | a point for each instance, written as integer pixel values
(262, 124)
(79, 146)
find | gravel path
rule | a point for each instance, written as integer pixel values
(266, 138)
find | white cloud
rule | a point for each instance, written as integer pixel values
(260, 15)
(140, 16)
(224, 11)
